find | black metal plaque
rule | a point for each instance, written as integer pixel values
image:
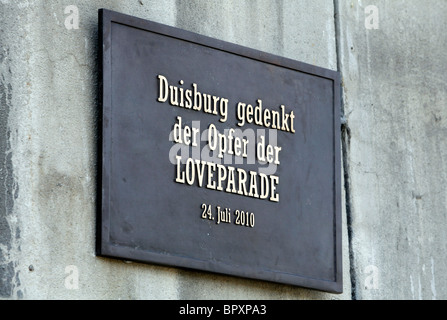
(217, 157)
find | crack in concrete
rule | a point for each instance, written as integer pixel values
(346, 140)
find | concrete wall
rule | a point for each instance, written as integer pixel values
(395, 102)
(49, 110)
(394, 147)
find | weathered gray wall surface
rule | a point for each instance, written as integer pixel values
(49, 116)
(395, 101)
(394, 90)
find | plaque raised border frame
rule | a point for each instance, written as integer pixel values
(106, 249)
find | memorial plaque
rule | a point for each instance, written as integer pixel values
(217, 157)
